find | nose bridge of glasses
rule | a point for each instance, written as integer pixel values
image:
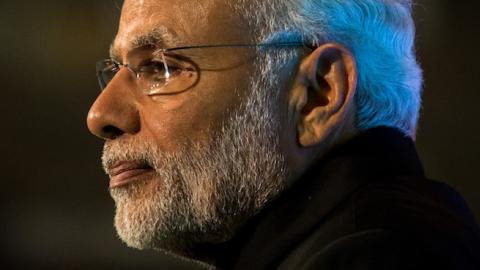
(117, 70)
(132, 70)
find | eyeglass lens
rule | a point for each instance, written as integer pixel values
(164, 74)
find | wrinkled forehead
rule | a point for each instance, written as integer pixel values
(171, 23)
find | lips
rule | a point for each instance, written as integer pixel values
(126, 172)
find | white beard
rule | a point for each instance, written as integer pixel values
(205, 192)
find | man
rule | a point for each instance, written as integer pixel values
(274, 135)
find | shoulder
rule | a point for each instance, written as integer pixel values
(413, 205)
(383, 249)
(395, 223)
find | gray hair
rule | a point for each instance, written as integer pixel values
(380, 34)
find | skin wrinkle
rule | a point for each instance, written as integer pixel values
(138, 210)
(214, 130)
(173, 105)
(159, 37)
(220, 151)
(200, 16)
(150, 31)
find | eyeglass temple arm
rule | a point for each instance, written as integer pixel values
(279, 44)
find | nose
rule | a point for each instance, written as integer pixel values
(114, 113)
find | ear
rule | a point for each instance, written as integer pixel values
(323, 94)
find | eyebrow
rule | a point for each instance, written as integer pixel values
(158, 37)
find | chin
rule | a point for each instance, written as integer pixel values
(151, 216)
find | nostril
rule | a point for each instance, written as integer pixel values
(111, 132)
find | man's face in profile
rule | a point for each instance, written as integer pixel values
(189, 166)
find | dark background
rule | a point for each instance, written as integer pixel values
(56, 211)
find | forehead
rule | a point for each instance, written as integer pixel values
(173, 23)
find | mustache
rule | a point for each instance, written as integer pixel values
(129, 150)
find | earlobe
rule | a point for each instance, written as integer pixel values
(324, 95)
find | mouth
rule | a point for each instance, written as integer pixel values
(127, 172)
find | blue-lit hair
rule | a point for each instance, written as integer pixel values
(380, 34)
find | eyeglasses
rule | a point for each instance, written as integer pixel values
(169, 71)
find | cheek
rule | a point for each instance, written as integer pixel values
(190, 118)
(194, 115)
(174, 127)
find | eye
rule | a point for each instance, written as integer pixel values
(156, 70)
(152, 67)
(166, 74)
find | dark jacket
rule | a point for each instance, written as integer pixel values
(367, 205)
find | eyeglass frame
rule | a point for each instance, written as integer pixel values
(118, 65)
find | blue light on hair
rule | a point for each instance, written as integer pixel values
(284, 37)
(380, 34)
